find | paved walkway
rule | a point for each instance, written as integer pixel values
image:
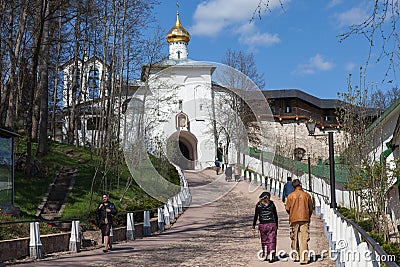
(216, 234)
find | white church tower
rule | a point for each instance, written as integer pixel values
(189, 123)
(178, 38)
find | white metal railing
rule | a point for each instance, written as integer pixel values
(349, 244)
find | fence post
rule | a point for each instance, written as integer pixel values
(278, 188)
(317, 205)
(341, 242)
(75, 239)
(273, 186)
(179, 202)
(35, 246)
(111, 235)
(175, 205)
(281, 185)
(185, 197)
(329, 226)
(188, 198)
(167, 222)
(160, 219)
(146, 223)
(171, 211)
(268, 183)
(130, 226)
(364, 253)
(350, 256)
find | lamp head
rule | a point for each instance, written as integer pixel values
(311, 126)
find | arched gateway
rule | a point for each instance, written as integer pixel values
(182, 149)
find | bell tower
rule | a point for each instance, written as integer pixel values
(178, 38)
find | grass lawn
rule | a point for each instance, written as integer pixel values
(29, 191)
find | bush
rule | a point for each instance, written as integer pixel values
(392, 248)
(346, 213)
(366, 225)
(15, 230)
(47, 228)
(379, 238)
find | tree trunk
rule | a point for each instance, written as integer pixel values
(55, 91)
(33, 84)
(72, 112)
(44, 86)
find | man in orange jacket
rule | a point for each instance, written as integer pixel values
(300, 208)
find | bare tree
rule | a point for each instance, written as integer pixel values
(380, 30)
(239, 85)
(264, 6)
(11, 41)
(369, 175)
(383, 100)
(116, 40)
(245, 63)
(32, 46)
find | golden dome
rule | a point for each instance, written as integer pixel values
(178, 33)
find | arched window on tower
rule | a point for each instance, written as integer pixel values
(182, 121)
(93, 83)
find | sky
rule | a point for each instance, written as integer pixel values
(295, 45)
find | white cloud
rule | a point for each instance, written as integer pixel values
(352, 16)
(249, 35)
(314, 64)
(214, 16)
(350, 66)
(334, 3)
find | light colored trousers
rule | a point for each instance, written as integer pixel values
(300, 235)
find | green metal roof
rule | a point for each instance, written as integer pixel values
(384, 115)
(321, 170)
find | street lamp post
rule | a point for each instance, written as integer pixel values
(309, 174)
(332, 170)
(311, 130)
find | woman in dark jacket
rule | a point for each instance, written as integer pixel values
(267, 216)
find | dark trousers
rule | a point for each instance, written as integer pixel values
(268, 233)
(105, 230)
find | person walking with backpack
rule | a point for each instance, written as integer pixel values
(265, 213)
